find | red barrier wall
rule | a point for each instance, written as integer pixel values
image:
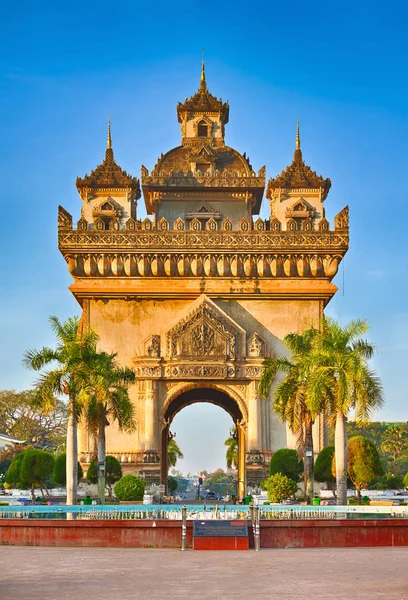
(167, 534)
(124, 534)
(334, 534)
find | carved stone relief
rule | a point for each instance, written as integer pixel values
(206, 331)
(151, 346)
(255, 346)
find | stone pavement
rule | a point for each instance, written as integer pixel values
(144, 574)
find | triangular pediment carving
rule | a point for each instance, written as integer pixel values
(151, 346)
(107, 208)
(255, 346)
(203, 151)
(204, 210)
(205, 331)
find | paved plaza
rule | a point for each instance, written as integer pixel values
(133, 574)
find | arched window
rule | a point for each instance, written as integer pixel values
(202, 129)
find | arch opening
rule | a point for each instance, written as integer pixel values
(206, 395)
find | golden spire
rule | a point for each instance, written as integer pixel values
(297, 135)
(202, 78)
(109, 140)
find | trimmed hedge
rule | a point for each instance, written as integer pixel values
(130, 488)
(59, 472)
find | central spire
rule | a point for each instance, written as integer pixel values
(297, 135)
(202, 78)
(109, 152)
(298, 151)
(109, 140)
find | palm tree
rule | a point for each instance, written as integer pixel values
(231, 455)
(291, 401)
(340, 372)
(394, 440)
(74, 353)
(109, 402)
(173, 453)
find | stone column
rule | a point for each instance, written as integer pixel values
(151, 415)
(254, 418)
(241, 461)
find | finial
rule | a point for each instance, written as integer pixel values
(202, 79)
(109, 140)
(297, 135)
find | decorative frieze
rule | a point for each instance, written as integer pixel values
(198, 370)
(226, 238)
(209, 264)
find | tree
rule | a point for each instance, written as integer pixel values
(36, 467)
(280, 487)
(8, 453)
(21, 419)
(323, 471)
(220, 482)
(291, 400)
(110, 401)
(74, 354)
(286, 461)
(400, 466)
(130, 488)
(388, 482)
(231, 455)
(339, 371)
(395, 441)
(112, 474)
(172, 485)
(13, 476)
(173, 453)
(30, 468)
(59, 472)
(363, 463)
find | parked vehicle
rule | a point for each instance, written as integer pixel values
(211, 496)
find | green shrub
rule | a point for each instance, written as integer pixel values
(388, 482)
(380, 485)
(286, 462)
(36, 467)
(394, 482)
(323, 466)
(113, 470)
(405, 481)
(172, 485)
(363, 463)
(280, 487)
(130, 488)
(400, 466)
(59, 472)
(352, 501)
(13, 472)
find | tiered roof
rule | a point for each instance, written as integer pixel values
(298, 175)
(109, 174)
(203, 101)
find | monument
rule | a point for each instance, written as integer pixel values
(195, 296)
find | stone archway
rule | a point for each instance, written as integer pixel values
(214, 396)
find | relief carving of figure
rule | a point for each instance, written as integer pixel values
(153, 350)
(202, 339)
(255, 347)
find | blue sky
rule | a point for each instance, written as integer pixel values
(342, 68)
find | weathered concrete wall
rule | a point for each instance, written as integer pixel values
(124, 325)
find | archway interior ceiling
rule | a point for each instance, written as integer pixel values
(204, 395)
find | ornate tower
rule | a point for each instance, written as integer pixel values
(195, 298)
